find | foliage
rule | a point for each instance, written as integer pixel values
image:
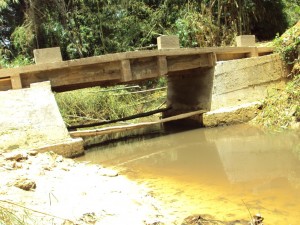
(288, 45)
(9, 217)
(292, 11)
(87, 28)
(91, 104)
(282, 107)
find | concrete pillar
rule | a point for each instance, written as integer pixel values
(188, 90)
(47, 55)
(245, 41)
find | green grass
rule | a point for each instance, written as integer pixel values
(97, 104)
(281, 108)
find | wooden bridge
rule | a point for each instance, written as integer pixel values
(118, 68)
(189, 71)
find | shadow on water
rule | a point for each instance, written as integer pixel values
(216, 170)
(148, 132)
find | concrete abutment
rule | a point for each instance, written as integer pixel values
(30, 120)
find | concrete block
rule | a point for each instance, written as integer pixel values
(245, 40)
(47, 55)
(246, 80)
(231, 115)
(30, 119)
(168, 42)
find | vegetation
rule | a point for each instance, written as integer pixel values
(102, 104)
(282, 107)
(85, 28)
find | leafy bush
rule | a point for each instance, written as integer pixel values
(282, 107)
(288, 45)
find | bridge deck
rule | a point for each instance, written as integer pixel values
(121, 68)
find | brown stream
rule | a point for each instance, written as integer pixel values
(227, 172)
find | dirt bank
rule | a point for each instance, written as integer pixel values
(46, 188)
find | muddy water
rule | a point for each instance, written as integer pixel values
(225, 172)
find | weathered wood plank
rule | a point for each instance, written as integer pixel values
(178, 63)
(107, 69)
(116, 129)
(75, 76)
(5, 84)
(16, 82)
(126, 70)
(144, 68)
(162, 65)
(231, 56)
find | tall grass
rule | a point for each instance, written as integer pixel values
(8, 217)
(101, 104)
(282, 107)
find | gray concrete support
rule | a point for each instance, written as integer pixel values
(188, 90)
(30, 120)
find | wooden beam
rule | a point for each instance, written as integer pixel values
(118, 120)
(116, 129)
(187, 62)
(253, 52)
(162, 65)
(116, 68)
(16, 82)
(5, 84)
(126, 70)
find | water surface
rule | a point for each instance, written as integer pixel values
(227, 172)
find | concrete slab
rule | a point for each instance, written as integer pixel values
(245, 40)
(242, 81)
(47, 55)
(168, 42)
(30, 119)
(231, 115)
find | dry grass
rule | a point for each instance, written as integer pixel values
(100, 104)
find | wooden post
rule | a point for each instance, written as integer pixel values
(253, 52)
(126, 70)
(162, 65)
(16, 82)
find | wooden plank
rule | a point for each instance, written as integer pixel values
(253, 52)
(5, 84)
(16, 82)
(76, 76)
(144, 68)
(97, 70)
(116, 129)
(212, 58)
(230, 56)
(179, 63)
(126, 70)
(162, 65)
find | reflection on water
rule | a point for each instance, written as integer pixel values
(222, 171)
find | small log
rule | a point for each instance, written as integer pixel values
(99, 123)
(116, 129)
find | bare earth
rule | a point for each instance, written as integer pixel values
(44, 188)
